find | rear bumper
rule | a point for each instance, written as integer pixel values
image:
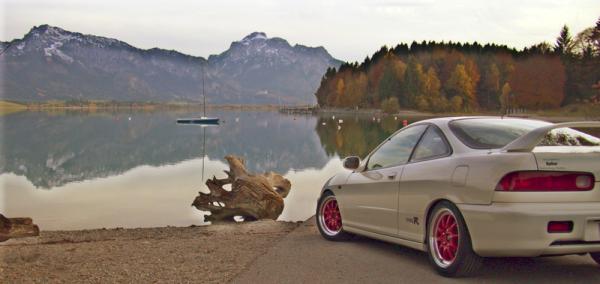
(520, 229)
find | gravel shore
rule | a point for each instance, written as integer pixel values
(207, 254)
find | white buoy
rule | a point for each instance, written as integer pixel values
(339, 127)
(323, 123)
(340, 121)
(395, 118)
(130, 118)
(333, 117)
(237, 119)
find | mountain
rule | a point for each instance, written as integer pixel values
(50, 63)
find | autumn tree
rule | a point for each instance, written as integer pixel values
(414, 83)
(390, 83)
(490, 87)
(374, 74)
(432, 92)
(338, 95)
(398, 69)
(504, 97)
(538, 82)
(326, 87)
(452, 76)
(356, 90)
(460, 84)
(473, 72)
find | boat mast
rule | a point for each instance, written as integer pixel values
(203, 150)
(203, 94)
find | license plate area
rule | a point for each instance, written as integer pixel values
(592, 230)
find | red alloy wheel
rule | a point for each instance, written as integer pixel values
(446, 237)
(331, 216)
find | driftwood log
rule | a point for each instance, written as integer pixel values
(252, 196)
(11, 228)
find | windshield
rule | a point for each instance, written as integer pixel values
(493, 133)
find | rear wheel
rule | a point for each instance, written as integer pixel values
(595, 256)
(329, 219)
(449, 243)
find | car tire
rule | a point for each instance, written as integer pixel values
(595, 256)
(329, 219)
(449, 243)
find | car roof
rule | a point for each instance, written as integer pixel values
(444, 120)
(457, 145)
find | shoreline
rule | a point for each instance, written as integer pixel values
(100, 234)
(554, 117)
(8, 107)
(211, 254)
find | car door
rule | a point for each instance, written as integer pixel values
(424, 178)
(369, 198)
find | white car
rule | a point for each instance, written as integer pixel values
(471, 187)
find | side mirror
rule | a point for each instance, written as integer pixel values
(351, 162)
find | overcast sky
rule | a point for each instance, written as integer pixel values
(348, 29)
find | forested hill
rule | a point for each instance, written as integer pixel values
(447, 76)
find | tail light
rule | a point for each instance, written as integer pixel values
(546, 181)
(560, 226)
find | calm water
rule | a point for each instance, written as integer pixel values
(80, 171)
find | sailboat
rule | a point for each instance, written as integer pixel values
(203, 119)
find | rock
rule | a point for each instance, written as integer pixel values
(17, 228)
(252, 196)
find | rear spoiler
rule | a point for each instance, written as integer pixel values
(528, 141)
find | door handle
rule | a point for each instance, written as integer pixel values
(392, 175)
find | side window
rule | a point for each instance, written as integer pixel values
(397, 149)
(431, 145)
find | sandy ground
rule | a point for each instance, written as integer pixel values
(208, 254)
(259, 252)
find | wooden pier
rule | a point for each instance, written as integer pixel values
(308, 109)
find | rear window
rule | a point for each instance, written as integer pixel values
(492, 133)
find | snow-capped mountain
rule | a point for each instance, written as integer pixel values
(271, 67)
(51, 63)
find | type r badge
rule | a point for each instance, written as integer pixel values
(413, 220)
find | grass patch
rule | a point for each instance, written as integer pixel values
(10, 107)
(7, 104)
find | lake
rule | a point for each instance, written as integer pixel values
(75, 170)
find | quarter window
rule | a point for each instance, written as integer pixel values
(397, 149)
(432, 145)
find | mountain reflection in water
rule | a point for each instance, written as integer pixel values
(52, 150)
(141, 169)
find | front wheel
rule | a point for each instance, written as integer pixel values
(449, 243)
(329, 219)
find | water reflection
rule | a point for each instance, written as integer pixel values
(53, 150)
(355, 135)
(143, 170)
